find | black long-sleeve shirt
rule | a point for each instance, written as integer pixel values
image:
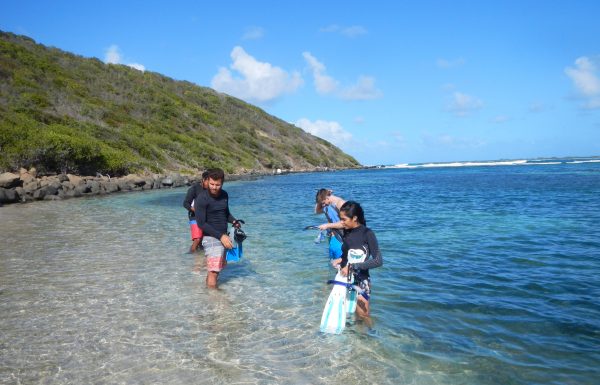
(212, 213)
(191, 194)
(362, 238)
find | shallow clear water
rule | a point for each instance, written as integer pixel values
(490, 276)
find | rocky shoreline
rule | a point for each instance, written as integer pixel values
(25, 186)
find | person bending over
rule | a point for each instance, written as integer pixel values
(329, 204)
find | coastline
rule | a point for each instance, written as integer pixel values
(26, 186)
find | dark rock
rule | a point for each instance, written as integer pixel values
(134, 179)
(11, 195)
(9, 180)
(51, 190)
(149, 182)
(39, 194)
(124, 185)
(31, 187)
(110, 187)
(81, 189)
(66, 185)
(94, 187)
(20, 191)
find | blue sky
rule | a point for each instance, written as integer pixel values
(389, 82)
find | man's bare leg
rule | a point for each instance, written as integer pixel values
(211, 279)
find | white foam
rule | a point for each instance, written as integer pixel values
(584, 161)
(518, 162)
(461, 164)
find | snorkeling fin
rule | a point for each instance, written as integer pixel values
(333, 319)
(237, 236)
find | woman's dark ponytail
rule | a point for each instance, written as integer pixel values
(353, 209)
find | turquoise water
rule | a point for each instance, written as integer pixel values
(490, 276)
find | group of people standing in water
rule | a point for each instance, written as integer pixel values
(208, 213)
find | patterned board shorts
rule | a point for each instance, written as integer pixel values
(215, 254)
(365, 285)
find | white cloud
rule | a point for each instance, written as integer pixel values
(259, 81)
(445, 63)
(113, 56)
(137, 66)
(351, 32)
(323, 83)
(253, 33)
(462, 104)
(364, 88)
(331, 131)
(586, 81)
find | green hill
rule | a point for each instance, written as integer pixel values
(61, 112)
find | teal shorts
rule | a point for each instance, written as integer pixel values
(335, 248)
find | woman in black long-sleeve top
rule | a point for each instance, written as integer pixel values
(358, 239)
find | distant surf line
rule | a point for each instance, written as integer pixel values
(519, 162)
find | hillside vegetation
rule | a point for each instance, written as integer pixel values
(61, 112)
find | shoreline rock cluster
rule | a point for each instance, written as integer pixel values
(25, 186)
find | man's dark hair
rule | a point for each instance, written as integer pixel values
(216, 174)
(205, 175)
